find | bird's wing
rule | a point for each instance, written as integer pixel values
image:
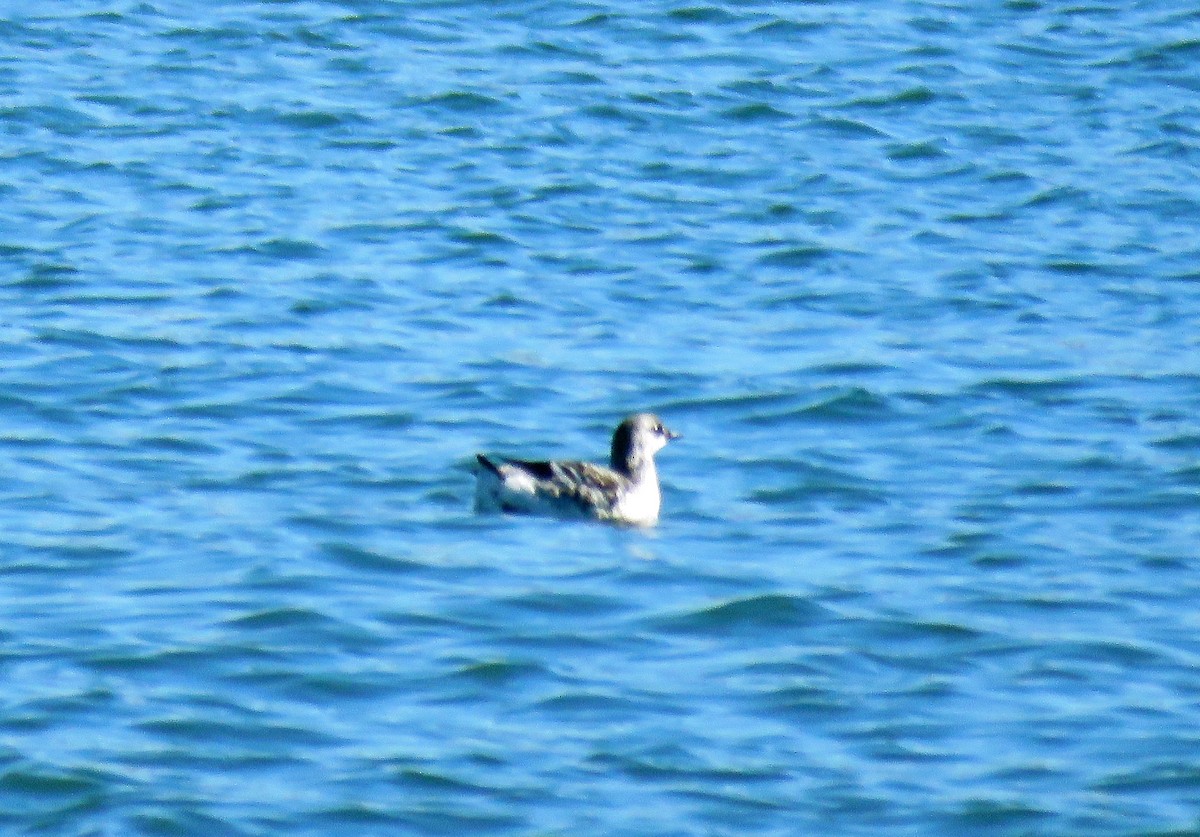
(594, 488)
(537, 470)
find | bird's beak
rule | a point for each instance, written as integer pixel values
(671, 434)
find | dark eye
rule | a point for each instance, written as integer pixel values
(658, 428)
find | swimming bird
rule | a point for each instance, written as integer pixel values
(625, 492)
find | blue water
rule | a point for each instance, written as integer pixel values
(918, 282)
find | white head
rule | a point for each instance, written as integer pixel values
(636, 441)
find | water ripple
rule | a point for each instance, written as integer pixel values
(918, 288)
(765, 612)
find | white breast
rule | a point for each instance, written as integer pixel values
(641, 503)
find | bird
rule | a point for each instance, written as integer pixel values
(625, 492)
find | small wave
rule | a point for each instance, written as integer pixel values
(242, 731)
(428, 818)
(1189, 475)
(700, 14)
(320, 687)
(847, 128)
(1055, 196)
(1181, 442)
(612, 113)
(1080, 267)
(224, 35)
(911, 96)
(1038, 390)
(177, 444)
(1147, 779)
(369, 232)
(803, 701)
(706, 175)
(980, 217)
(589, 702)
(993, 814)
(50, 783)
(787, 30)
(1047, 603)
(921, 150)
(992, 136)
(357, 558)
(843, 368)
(501, 671)
(58, 119)
(278, 249)
(1043, 489)
(766, 612)
(856, 403)
(746, 402)
(508, 301)
(595, 20)
(756, 112)
(170, 659)
(924, 629)
(1176, 55)
(433, 780)
(482, 238)
(461, 101)
(674, 762)
(311, 119)
(571, 188)
(288, 248)
(283, 617)
(843, 491)
(1121, 652)
(46, 276)
(568, 77)
(383, 419)
(749, 805)
(559, 603)
(796, 256)
(842, 404)
(351, 815)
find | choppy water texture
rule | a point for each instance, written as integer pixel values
(918, 281)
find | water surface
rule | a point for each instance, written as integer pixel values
(917, 281)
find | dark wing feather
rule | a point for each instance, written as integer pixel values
(592, 487)
(538, 470)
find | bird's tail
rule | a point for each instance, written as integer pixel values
(487, 463)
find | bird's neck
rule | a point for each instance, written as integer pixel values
(637, 467)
